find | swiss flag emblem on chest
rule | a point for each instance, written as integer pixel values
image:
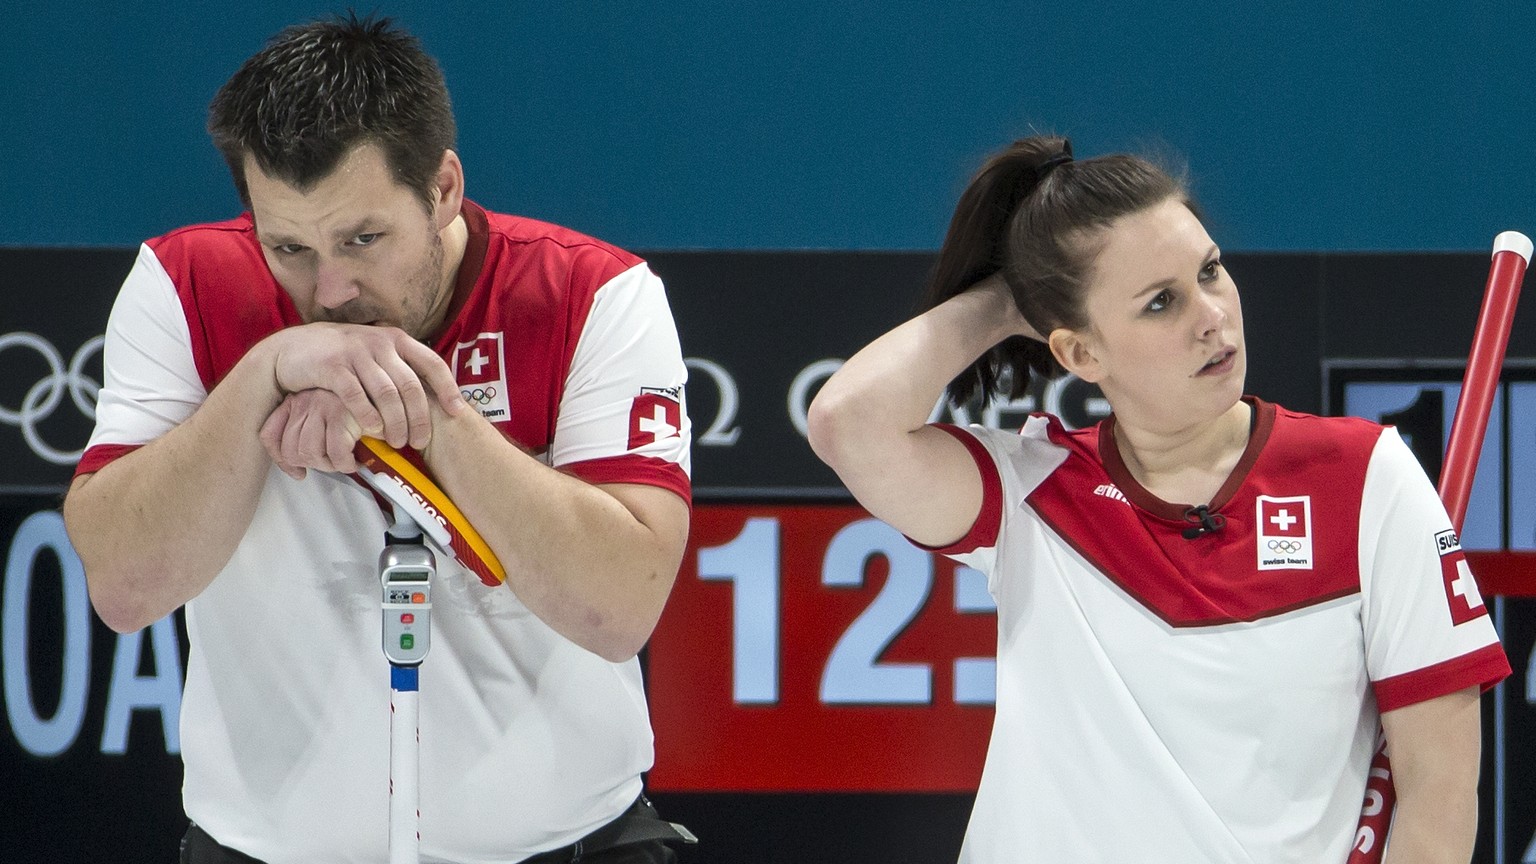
(1284, 532)
(478, 362)
(1285, 518)
(479, 366)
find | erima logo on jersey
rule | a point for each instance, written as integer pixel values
(481, 370)
(1109, 490)
(1461, 594)
(1284, 532)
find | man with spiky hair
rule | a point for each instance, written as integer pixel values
(536, 374)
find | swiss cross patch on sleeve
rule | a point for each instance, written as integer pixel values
(655, 415)
(1461, 592)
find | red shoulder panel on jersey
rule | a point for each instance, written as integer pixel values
(521, 229)
(1309, 469)
(531, 285)
(229, 297)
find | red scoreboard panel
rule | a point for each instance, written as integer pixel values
(813, 648)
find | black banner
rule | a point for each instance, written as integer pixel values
(88, 756)
(762, 330)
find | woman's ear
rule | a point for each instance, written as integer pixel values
(1074, 350)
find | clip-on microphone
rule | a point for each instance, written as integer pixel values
(1210, 522)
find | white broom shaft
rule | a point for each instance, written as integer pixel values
(404, 779)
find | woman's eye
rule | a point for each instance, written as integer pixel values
(1160, 302)
(1208, 272)
(364, 239)
(290, 248)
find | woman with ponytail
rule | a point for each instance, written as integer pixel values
(1207, 604)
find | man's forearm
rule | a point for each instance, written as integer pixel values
(587, 564)
(155, 526)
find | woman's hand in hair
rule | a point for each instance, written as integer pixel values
(1009, 319)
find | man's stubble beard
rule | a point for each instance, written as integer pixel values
(423, 290)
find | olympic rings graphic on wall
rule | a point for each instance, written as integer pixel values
(1285, 547)
(480, 395)
(44, 396)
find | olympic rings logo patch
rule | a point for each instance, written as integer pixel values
(1283, 532)
(479, 395)
(44, 397)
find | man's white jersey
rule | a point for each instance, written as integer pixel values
(528, 741)
(1212, 697)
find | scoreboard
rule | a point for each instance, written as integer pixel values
(813, 648)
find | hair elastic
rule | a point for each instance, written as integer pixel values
(1050, 164)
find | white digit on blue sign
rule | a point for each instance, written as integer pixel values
(40, 737)
(130, 692)
(975, 677)
(751, 563)
(854, 673)
(1522, 465)
(1405, 404)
